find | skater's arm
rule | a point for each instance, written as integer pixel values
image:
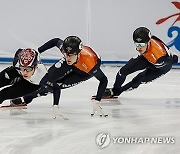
(50, 44)
(16, 58)
(99, 75)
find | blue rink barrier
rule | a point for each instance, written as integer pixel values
(104, 62)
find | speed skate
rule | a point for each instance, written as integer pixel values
(106, 97)
(23, 106)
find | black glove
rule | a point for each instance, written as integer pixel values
(174, 59)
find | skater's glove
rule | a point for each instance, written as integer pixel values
(98, 108)
(57, 112)
(174, 56)
(175, 59)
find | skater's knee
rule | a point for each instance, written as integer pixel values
(104, 79)
(1, 101)
(3, 96)
(27, 99)
(44, 93)
(135, 83)
(123, 72)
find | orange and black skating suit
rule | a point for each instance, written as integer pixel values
(154, 63)
(87, 66)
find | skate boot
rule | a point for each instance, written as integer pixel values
(112, 93)
(17, 102)
(108, 92)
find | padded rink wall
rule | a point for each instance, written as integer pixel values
(105, 25)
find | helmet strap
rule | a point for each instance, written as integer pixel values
(77, 58)
(148, 45)
(34, 68)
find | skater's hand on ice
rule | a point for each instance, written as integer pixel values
(98, 108)
(57, 112)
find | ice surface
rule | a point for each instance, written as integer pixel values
(151, 111)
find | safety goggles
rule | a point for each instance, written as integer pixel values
(28, 68)
(139, 44)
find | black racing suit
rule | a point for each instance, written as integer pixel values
(17, 86)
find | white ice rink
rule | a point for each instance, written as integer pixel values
(149, 115)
